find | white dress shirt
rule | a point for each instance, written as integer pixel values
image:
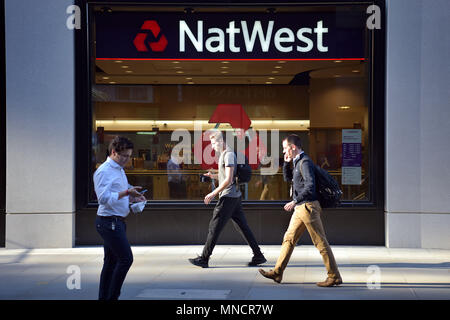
(109, 180)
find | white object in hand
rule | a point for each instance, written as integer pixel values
(138, 206)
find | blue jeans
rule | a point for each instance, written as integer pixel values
(118, 256)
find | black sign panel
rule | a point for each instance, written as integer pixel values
(246, 36)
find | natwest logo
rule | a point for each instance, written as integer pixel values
(245, 37)
(140, 40)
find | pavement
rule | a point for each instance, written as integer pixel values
(163, 273)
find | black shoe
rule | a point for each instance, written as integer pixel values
(199, 261)
(257, 259)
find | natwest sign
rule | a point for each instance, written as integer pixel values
(141, 35)
(266, 38)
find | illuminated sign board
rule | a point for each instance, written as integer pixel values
(138, 35)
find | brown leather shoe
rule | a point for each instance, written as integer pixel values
(271, 275)
(330, 282)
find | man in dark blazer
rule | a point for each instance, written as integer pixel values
(306, 213)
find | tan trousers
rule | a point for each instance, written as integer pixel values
(307, 216)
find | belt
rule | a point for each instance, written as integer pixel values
(113, 218)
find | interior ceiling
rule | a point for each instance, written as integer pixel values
(220, 72)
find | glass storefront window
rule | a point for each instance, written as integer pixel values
(154, 101)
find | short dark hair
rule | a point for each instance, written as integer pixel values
(295, 140)
(120, 144)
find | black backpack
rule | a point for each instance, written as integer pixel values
(243, 171)
(327, 188)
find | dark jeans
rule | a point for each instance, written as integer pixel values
(225, 209)
(118, 256)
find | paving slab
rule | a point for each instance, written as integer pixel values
(163, 273)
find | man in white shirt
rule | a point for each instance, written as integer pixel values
(114, 195)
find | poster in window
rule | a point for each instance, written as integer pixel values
(351, 156)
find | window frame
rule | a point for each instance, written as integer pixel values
(376, 109)
(2, 125)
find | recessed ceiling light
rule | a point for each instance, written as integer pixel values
(225, 62)
(278, 67)
(337, 61)
(124, 67)
(275, 71)
(268, 82)
(191, 82)
(188, 78)
(281, 61)
(175, 61)
(118, 61)
(224, 67)
(344, 107)
(112, 82)
(105, 78)
(355, 71)
(337, 75)
(223, 71)
(128, 71)
(271, 78)
(177, 67)
(180, 72)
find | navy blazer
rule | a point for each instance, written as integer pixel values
(303, 179)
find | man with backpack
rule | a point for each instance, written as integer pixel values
(228, 206)
(306, 214)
